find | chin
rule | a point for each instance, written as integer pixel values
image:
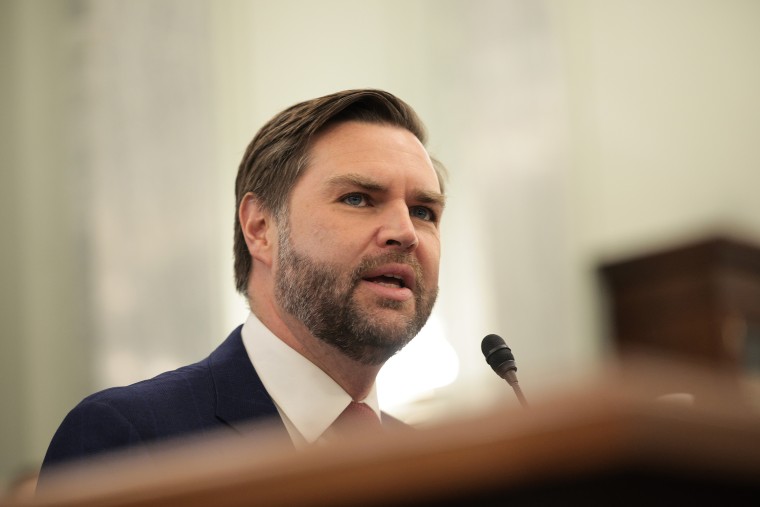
(394, 320)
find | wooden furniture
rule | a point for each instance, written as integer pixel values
(610, 442)
(699, 301)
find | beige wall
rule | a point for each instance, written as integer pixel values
(664, 123)
(11, 344)
(575, 131)
(666, 116)
(45, 360)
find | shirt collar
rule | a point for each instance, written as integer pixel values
(304, 394)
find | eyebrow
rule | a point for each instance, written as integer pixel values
(370, 185)
(355, 180)
(428, 197)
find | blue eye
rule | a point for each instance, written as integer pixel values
(355, 200)
(422, 212)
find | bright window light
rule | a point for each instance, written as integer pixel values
(427, 363)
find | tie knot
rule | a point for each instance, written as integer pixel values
(358, 418)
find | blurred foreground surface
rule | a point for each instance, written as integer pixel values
(657, 431)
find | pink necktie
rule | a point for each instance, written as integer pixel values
(357, 418)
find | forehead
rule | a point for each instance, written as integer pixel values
(380, 151)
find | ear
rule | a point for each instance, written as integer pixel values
(259, 229)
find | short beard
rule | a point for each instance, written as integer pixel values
(321, 296)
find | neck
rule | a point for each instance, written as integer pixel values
(355, 378)
(352, 376)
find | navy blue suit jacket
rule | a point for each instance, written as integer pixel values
(220, 391)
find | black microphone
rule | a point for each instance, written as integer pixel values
(500, 358)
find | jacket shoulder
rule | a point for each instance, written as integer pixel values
(171, 404)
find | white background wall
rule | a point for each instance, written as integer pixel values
(574, 131)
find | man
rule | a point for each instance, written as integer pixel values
(337, 251)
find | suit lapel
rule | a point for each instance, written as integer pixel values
(241, 398)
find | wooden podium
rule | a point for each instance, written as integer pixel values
(613, 441)
(699, 301)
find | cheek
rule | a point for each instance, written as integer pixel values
(323, 238)
(433, 279)
(429, 255)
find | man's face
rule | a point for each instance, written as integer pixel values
(358, 258)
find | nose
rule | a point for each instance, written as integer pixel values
(397, 229)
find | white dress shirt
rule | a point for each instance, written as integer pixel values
(307, 399)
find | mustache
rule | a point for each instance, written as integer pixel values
(370, 263)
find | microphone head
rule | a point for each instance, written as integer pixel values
(497, 354)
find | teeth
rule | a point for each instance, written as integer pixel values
(399, 278)
(388, 283)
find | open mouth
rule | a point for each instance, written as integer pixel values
(397, 276)
(393, 281)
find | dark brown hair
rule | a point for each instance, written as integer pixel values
(278, 154)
